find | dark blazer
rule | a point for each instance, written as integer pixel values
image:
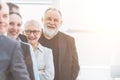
(28, 60)
(68, 59)
(11, 59)
(22, 37)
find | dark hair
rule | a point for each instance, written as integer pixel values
(12, 5)
(15, 13)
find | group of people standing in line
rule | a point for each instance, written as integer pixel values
(38, 53)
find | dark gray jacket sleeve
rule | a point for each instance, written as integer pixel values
(18, 67)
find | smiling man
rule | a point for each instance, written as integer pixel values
(62, 45)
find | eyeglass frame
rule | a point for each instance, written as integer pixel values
(35, 32)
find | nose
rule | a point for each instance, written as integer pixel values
(31, 34)
(1, 18)
(15, 27)
(52, 21)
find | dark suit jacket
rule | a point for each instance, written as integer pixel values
(22, 37)
(11, 59)
(68, 59)
(28, 60)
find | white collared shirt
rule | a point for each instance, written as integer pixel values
(35, 68)
(40, 57)
(44, 59)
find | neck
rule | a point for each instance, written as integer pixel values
(47, 36)
(13, 37)
(35, 45)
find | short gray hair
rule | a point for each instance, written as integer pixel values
(33, 23)
(53, 9)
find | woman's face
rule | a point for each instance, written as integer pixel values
(14, 25)
(33, 34)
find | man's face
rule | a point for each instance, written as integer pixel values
(4, 18)
(14, 25)
(51, 21)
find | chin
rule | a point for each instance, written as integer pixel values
(32, 42)
(51, 33)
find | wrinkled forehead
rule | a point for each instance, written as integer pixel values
(53, 12)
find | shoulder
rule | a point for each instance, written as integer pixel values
(22, 37)
(24, 43)
(65, 36)
(45, 49)
(26, 46)
(47, 53)
(8, 41)
(9, 45)
(6, 38)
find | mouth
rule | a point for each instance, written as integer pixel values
(31, 39)
(50, 27)
(14, 32)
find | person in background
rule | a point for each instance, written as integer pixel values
(11, 58)
(63, 46)
(43, 55)
(15, 23)
(15, 8)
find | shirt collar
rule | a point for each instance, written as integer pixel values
(40, 47)
(18, 39)
(5, 34)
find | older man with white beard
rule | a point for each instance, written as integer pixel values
(63, 46)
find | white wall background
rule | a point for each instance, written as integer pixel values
(97, 23)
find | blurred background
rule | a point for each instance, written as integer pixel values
(95, 25)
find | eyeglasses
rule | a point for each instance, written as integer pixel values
(35, 32)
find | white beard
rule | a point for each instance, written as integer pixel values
(50, 32)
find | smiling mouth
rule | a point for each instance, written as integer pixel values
(50, 27)
(13, 32)
(31, 38)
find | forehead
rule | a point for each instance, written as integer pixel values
(15, 16)
(4, 8)
(54, 13)
(32, 27)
